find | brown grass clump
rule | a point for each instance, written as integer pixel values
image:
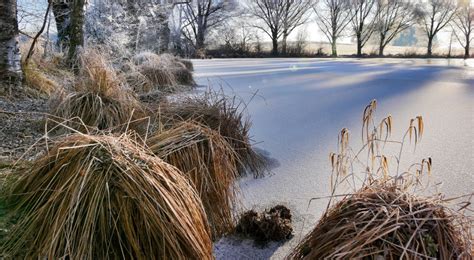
(38, 80)
(149, 72)
(384, 221)
(101, 197)
(188, 64)
(385, 218)
(270, 225)
(208, 161)
(44, 74)
(224, 115)
(101, 100)
(183, 75)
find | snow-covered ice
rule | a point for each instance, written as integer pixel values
(302, 104)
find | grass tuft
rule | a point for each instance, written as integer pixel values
(209, 162)
(101, 100)
(225, 115)
(100, 197)
(384, 216)
(148, 72)
(384, 221)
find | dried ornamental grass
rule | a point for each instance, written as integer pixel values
(101, 100)
(166, 73)
(45, 74)
(225, 115)
(100, 197)
(383, 221)
(182, 74)
(208, 161)
(385, 218)
(182, 70)
(38, 80)
(188, 64)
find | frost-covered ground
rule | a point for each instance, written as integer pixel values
(301, 105)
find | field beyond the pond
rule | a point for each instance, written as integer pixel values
(298, 107)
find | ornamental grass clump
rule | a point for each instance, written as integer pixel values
(206, 158)
(225, 115)
(101, 197)
(100, 98)
(383, 216)
(384, 221)
(148, 72)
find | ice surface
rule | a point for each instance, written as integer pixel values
(303, 103)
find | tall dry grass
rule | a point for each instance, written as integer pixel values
(208, 161)
(101, 99)
(225, 115)
(148, 72)
(100, 197)
(383, 216)
(44, 74)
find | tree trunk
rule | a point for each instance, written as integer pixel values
(381, 45)
(62, 17)
(429, 52)
(274, 44)
(359, 50)
(284, 44)
(359, 46)
(200, 37)
(334, 47)
(466, 50)
(200, 41)
(133, 34)
(10, 61)
(77, 30)
(164, 33)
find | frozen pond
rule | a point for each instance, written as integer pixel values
(302, 104)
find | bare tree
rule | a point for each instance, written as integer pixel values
(301, 42)
(76, 33)
(62, 11)
(201, 16)
(10, 69)
(38, 34)
(294, 15)
(228, 37)
(269, 14)
(434, 15)
(464, 23)
(70, 17)
(393, 17)
(245, 35)
(363, 21)
(333, 16)
(258, 44)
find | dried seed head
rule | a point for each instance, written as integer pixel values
(420, 126)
